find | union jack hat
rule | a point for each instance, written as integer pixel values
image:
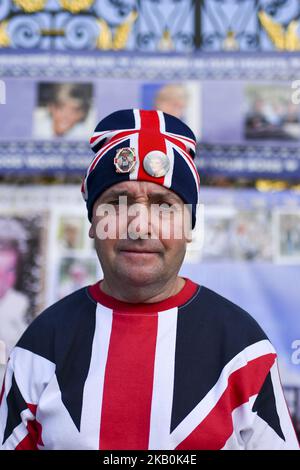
(126, 142)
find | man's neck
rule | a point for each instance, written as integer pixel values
(145, 294)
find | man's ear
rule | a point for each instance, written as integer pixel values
(188, 231)
(92, 231)
(189, 237)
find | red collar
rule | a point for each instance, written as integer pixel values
(185, 294)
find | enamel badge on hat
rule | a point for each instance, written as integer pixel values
(125, 160)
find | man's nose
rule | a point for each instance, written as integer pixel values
(139, 225)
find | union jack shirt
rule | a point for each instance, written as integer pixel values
(193, 371)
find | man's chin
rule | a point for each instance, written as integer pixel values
(139, 277)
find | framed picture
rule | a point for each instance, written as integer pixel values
(22, 272)
(287, 236)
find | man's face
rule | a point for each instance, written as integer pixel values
(145, 260)
(65, 114)
(8, 270)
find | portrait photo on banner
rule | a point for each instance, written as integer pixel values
(64, 110)
(180, 99)
(269, 112)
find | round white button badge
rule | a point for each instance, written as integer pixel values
(156, 163)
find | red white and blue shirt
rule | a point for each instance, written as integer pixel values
(193, 371)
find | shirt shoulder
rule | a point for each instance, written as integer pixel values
(53, 332)
(215, 338)
(224, 322)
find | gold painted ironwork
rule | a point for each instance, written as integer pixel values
(52, 32)
(75, 6)
(30, 6)
(106, 40)
(230, 43)
(166, 43)
(284, 39)
(4, 38)
(123, 30)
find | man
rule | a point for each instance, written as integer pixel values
(143, 359)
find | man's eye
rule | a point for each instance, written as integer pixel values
(165, 206)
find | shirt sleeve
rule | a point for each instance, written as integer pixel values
(27, 375)
(272, 427)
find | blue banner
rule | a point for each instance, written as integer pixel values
(244, 110)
